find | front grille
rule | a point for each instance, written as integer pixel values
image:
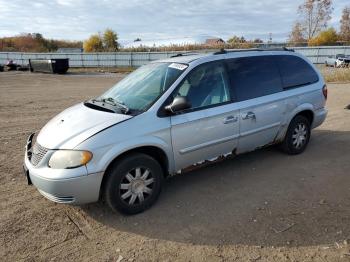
(38, 153)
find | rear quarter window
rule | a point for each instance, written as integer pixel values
(295, 71)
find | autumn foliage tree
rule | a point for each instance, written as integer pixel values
(110, 40)
(107, 42)
(326, 37)
(93, 44)
(345, 25)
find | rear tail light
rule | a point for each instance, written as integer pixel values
(325, 91)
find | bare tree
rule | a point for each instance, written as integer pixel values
(297, 35)
(345, 25)
(314, 16)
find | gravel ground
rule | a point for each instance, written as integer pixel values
(261, 206)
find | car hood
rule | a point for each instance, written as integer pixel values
(74, 125)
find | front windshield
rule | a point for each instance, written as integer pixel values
(140, 89)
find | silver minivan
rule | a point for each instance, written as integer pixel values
(172, 114)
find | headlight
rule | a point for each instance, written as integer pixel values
(63, 159)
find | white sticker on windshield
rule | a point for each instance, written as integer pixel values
(178, 66)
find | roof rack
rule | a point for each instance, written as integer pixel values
(225, 51)
(183, 54)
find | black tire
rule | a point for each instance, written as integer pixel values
(290, 144)
(115, 195)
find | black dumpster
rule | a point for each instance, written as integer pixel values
(54, 66)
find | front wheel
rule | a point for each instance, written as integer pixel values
(298, 136)
(133, 184)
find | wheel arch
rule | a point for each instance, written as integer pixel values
(151, 150)
(306, 110)
(155, 152)
(307, 113)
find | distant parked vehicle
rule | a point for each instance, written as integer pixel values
(10, 65)
(338, 60)
(13, 66)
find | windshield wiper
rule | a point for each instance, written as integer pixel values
(114, 102)
(93, 105)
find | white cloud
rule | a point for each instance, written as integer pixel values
(66, 2)
(77, 19)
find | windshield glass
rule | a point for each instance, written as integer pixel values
(140, 89)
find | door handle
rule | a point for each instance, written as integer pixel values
(230, 119)
(249, 115)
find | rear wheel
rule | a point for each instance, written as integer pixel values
(298, 136)
(133, 184)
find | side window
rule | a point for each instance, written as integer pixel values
(253, 77)
(206, 85)
(295, 71)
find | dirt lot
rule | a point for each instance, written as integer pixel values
(262, 206)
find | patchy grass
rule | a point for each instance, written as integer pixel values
(332, 74)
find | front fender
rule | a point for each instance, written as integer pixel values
(105, 155)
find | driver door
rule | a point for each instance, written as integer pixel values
(210, 128)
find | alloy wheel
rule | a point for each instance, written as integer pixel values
(136, 186)
(299, 137)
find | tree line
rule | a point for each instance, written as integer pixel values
(35, 42)
(312, 28)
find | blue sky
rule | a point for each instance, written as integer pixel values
(153, 19)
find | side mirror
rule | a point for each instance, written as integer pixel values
(179, 103)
